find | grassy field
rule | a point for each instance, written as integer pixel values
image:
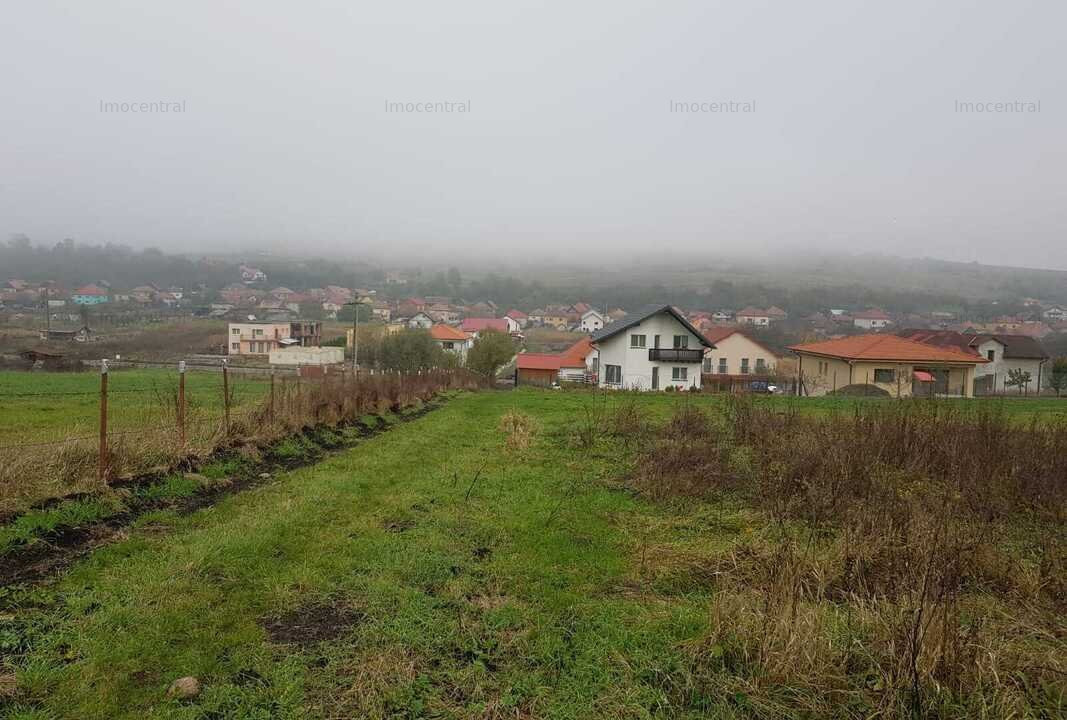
(39, 406)
(494, 559)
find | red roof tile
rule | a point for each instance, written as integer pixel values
(538, 361)
(479, 324)
(885, 347)
(447, 332)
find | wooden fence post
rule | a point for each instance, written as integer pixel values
(270, 411)
(102, 462)
(181, 404)
(226, 395)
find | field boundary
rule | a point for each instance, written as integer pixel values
(51, 553)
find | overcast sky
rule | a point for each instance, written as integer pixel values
(855, 141)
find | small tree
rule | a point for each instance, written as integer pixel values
(1057, 376)
(1018, 377)
(410, 350)
(491, 351)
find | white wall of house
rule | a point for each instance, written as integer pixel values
(592, 321)
(738, 355)
(458, 347)
(636, 373)
(757, 320)
(999, 366)
(871, 323)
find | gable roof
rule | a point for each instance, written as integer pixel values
(90, 289)
(537, 361)
(575, 355)
(516, 314)
(885, 347)
(718, 333)
(622, 325)
(1022, 347)
(479, 324)
(751, 312)
(447, 332)
(871, 314)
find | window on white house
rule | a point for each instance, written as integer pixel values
(885, 376)
(761, 366)
(991, 354)
(448, 345)
(723, 370)
(707, 365)
(236, 331)
(235, 346)
(613, 374)
(744, 366)
(681, 342)
(679, 373)
(637, 341)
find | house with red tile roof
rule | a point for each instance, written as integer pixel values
(899, 366)
(518, 316)
(89, 295)
(451, 339)
(477, 325)
(575, 364)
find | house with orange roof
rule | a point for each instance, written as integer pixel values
(451, 339)
(575, 364)
(900, 366)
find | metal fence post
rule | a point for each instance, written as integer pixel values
(102, 463)
(181, 404)
(226, 395)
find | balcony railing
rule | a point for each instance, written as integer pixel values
(679, 355)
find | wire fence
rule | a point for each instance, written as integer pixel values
(123, 431)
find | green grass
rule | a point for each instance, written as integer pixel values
(471, 580)
(46, 405)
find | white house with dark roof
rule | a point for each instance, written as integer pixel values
(650, 350)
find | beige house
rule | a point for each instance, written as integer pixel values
(735, 353)
(899, 366)
(259, 338)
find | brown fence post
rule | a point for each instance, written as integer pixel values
(226, 395)
(181, 404)
(102, 462)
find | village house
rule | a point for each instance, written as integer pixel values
(1003, 352)
(259, 338)
(443, 313)
(736, 353)
(451, 339)
(420, 321)
(753, 316)
(251, 274)
(474, 326)
(518, 316)
(89, 295)
(559, 318)
(591, 321)
(722, 317)
(577, 364)
(896, 365)
(144, 294)
(1055, 314)
(381, 311)
(652, 350)
(872, 319)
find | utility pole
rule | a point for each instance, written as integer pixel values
(355, 334)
